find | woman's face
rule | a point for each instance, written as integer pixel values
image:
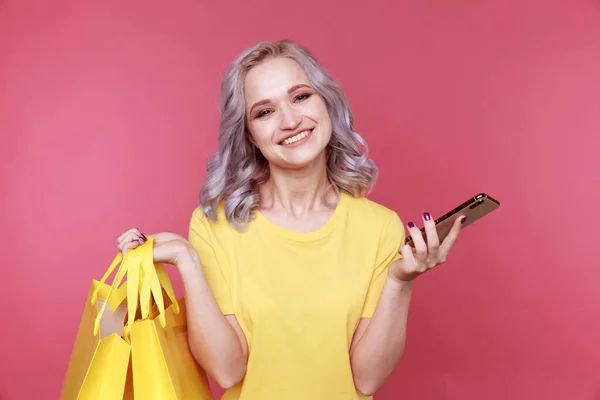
(286, 118)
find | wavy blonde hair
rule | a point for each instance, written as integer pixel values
(237, 169)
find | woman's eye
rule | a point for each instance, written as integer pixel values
(263, 113)
(302, 97)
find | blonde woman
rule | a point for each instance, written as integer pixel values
(297, 286)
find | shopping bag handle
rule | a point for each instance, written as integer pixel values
(163, 278)
(116, 283)
(155, 276)
(130, 267)
(118, 258)
(144, 278)
(133, 285)
(144, 281)
(145, 273)
(150, 284)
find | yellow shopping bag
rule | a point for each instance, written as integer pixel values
(163, 365)
(129, 345)
(99, 363)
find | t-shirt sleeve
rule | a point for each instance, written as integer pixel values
(215, 268)
(391, 240)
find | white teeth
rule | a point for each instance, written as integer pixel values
(299, 136)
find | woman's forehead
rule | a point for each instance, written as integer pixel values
(273, 78)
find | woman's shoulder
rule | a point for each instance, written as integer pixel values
(367, 208)
(204, 219)
(373, 217)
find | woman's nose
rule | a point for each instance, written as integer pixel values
(289, 118)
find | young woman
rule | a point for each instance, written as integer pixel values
(296, 285)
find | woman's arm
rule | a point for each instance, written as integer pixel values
(216, 341)
(378, 342)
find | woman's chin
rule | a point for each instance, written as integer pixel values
(301, 159)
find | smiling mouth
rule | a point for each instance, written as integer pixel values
(296, 137)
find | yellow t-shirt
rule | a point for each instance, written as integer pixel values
(299, 296)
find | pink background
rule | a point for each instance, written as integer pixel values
(108, 111)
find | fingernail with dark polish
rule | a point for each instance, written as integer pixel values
(427, 216)
(411, 225)
(144, 237)
(463, 219)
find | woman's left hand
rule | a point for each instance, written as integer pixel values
(424, 256)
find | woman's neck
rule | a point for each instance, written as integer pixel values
(297, 191)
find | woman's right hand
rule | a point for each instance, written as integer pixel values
(169, 248)
(207, 327)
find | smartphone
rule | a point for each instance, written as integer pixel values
(474, 209)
